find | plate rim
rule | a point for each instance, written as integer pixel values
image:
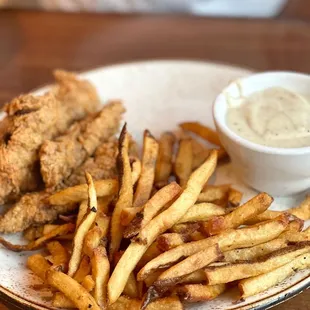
(11, 298)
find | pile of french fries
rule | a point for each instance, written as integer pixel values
(160, 235)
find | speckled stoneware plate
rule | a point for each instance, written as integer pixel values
(158, 95)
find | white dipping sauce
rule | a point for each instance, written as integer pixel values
(273, 117)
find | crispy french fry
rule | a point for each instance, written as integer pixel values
(83, 270)
(166, 303)
(197, 235)
(38, 265)
(47, 228)
(135, 169)
(192, 263)
(267, 215)
(232, 272)
(233, 239)
(169, 241)
(84, 227)
(33, 232)
(202, 131)
(128, 214)
(184, 161)
(71, 289)
(255, 251)
(202, 212)
(164, 161)
(200, 154)
(152, 208)
(88, 283)
(82, 212)
(103, 204)
(241, 214)
(101, 271)
(131, 288)
(34, 245)
(125, 199)
(154, 276)
(195, 277)
(78, 193)
(59, 253)
(254, 285)
(200, 292)
(296, 236)
(158, 225)
(126, 303)
(145, 182)
(234, 197)
(303, 210)
(185, 228)
(61, 301)
(152, 252)
(214, 193)
(96, 234)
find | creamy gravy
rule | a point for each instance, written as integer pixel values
(274, 117)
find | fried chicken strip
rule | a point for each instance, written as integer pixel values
(30, 121)
(60, 157)
(32, 208)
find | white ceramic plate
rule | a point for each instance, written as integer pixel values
(158, 95)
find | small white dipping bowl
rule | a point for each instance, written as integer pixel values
(277, 171)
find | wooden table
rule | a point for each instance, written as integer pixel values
(32, 44)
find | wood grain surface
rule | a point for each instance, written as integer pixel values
(34, 43)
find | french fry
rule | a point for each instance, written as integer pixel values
(234, 197)
(169, 241)
(95, 235)
(254, 285)
(192, 263)
(184, 161)
(185, 228)
(125, 199)
(303, 210)
(200, 292)
(158, 225)
(202, 131)
(71, 289)
(233, 239)
(200, 154)
(59, 253)
(214, 193)
(33, 232)
(202, 212)
(146, 180)
(296, 236)
(152, 252)
(83, 270)
(135, 169)
(38, 243)
(241, 214)
(195, 277)
(128, 214)
(197, 235)
(126, 303)
(84, 227)
(103, 204)
(267, 215)
(38, 265)
(255, 251)
(163, 167)
(47, 228)
(131, 288)
(166, 303)
(61, 301)
(82, 212)
(154, 276)
(78, 193)
(232, 272)
(88, 283)
(101, 271)
(152, 208)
